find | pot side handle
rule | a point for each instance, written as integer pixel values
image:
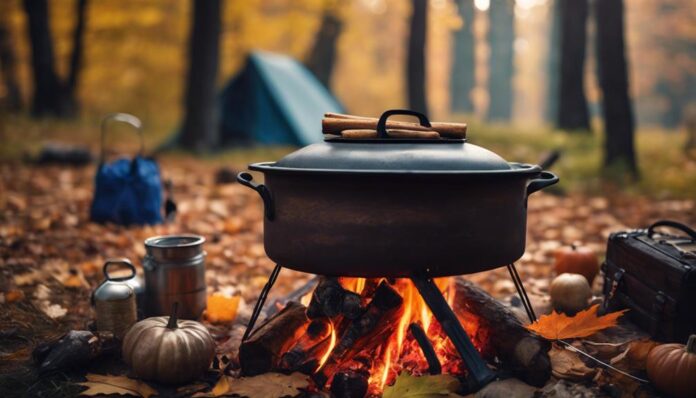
(545, 179)
(245, 179)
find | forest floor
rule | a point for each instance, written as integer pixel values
(51, 256)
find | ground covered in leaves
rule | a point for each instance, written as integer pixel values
(51, 258)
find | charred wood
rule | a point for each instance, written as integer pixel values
(304, 353)
(349, 384)
(363, 333)
(519, 350)
(262, 350)
(330, 299)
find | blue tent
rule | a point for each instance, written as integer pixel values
(274, 100)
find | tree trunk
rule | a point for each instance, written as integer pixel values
(462, 81)
(51, 95)
(47, 89)
(322, 57)
(8, 65)
(613, 80)
(78, 47)
(200, 127)
(501, 37)
(572, 108)
(415, 66)
(553, 64)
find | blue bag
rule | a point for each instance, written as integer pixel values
(127, 191)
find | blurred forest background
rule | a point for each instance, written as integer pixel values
(529, 76)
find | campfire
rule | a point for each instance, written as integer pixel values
(354, 336)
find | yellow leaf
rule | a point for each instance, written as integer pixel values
(558, 326)
(262, 386)
(110, 384)
(222, 387)
(428, 386)
(221, 308)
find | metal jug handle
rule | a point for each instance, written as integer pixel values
(118, 261)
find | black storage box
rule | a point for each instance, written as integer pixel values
(653, 274)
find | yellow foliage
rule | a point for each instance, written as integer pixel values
(221, 308)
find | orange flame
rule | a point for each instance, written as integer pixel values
(399, 351)
(332, 344)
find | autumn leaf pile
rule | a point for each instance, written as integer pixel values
(51, 255)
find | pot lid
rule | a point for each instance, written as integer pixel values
(394, 154)
(402, 155)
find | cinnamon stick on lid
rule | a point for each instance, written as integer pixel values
(394, 133)
(335, 123)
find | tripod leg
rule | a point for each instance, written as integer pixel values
(261, 300)
(479, 373)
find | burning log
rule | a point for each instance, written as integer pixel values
(303, 355)
(330, 299)
(349, 384)
(261, 351)
(362, 333)
(352, 380)
(519, 350)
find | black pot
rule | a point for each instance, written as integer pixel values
(395, 207)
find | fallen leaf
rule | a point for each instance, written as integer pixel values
(110, 384)
(27, 278)
(267, 385)
(221, 308)
(407, 386)
(52, 310)
(72, 279)
(13, 295)
(566, 364)
(558, 326)
(638, 352)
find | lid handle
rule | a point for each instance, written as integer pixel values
(118, 261)
(382, 124)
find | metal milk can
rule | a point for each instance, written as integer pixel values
(175, 272)
(115, 301)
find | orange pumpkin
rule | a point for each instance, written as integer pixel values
(672, 368)
(577, 260)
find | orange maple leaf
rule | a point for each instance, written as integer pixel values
(557, 326)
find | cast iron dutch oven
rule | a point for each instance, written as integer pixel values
(395, 207)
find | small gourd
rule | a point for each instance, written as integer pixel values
(570, 293)
(168, 350)
(672, 368)
(576, 259)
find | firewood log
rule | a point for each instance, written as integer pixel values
(310, 345)
(349, 384)
(519, 350)
(330, 299)
(366, 331)
(261, 352)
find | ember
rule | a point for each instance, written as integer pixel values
(361, 333)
